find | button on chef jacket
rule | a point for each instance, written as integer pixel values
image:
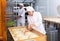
(37, 20)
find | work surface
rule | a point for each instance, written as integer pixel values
(18, 34)
(52, 19)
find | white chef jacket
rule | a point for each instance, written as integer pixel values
(21, 12)
(37, 20)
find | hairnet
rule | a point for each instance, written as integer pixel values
(29, 8)
(21, 4)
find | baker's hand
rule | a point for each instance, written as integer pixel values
(26, 31)
(32, 25)
(29, 28)
(18, 17)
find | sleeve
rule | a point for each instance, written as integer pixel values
(39, 19)
(23, 13)
(29, 22)
(19, 12)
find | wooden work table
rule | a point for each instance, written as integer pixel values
(51, 21)
(34, 31)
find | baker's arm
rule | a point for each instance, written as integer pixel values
(18, 17)
(39, 20)
(23, 13)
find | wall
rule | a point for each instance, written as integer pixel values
(53, 4)
(41, 6)
(47, 7)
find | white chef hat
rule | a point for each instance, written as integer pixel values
(21, 4)
(29, 8)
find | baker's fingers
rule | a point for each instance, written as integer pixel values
(26, 31)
